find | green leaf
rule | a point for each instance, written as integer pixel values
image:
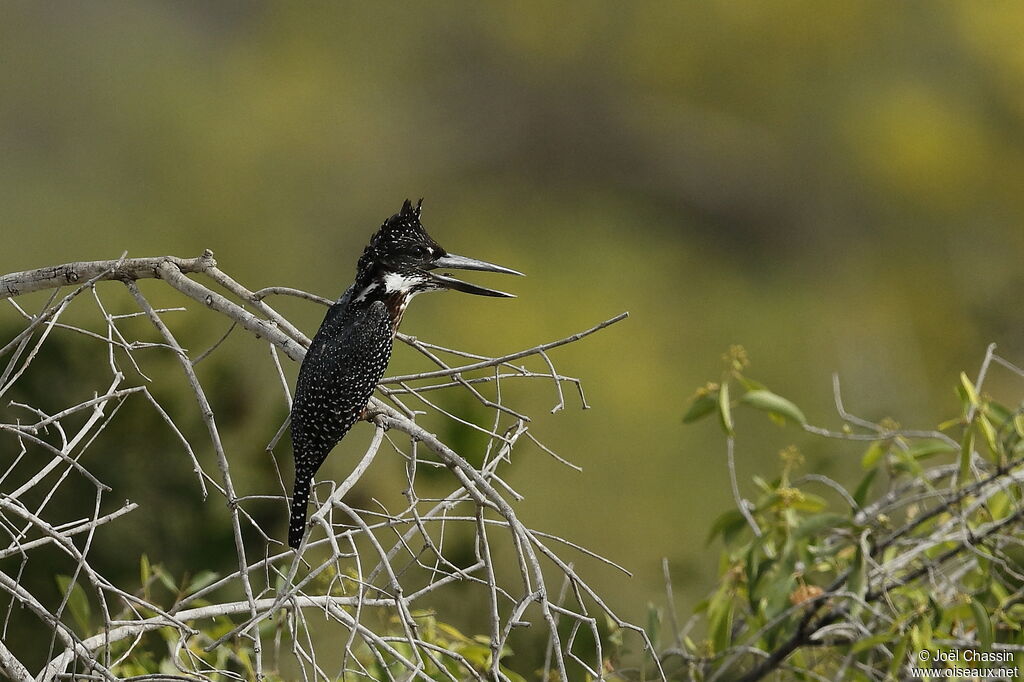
(983, 623)
(861, 493)
(720, 613)
(753, 570)
(999, 413)
(164, 577)
(202, 579)
(144, 574)
(928, 448)
(512, 675)
(870, 642)
(78, 603)
(724, 409)
(988, 432)
(857, 582)
(917, 638)
(936, 610)
(809, 502)
(1015, 614)
(728, 525)
(999, 591)
(999, 505)
(701, 406)
(899, 658)
(812, 525)
(776, 590)
(874, 453)
(653, 628)
(967, 391)
(774, 404)
(750, 384)
(477, 654)
(453, 633)
(907, 463)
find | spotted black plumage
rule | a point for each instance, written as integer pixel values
(352, 348)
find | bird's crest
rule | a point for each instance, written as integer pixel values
(397, 231)
(403, 226)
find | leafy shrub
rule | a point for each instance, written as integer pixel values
(924, 554)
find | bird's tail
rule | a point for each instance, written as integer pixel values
(297, 522)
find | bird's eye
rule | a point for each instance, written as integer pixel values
(420, 251)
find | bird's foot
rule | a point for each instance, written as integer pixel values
(374, 416)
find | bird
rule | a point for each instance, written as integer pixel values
(350, 351)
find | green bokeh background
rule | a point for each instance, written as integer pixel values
(837, 187)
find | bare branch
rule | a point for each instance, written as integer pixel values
(392, 561)
(126, 269)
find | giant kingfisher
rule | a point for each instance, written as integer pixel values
(351, 349)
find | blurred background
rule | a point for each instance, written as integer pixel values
(837, 191)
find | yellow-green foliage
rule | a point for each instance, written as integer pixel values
(918, 556)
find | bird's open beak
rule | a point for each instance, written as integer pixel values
(463, 263)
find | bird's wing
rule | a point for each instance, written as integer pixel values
(347, 358)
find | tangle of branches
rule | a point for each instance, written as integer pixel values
(357, 569)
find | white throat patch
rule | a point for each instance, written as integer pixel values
(396, 283)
